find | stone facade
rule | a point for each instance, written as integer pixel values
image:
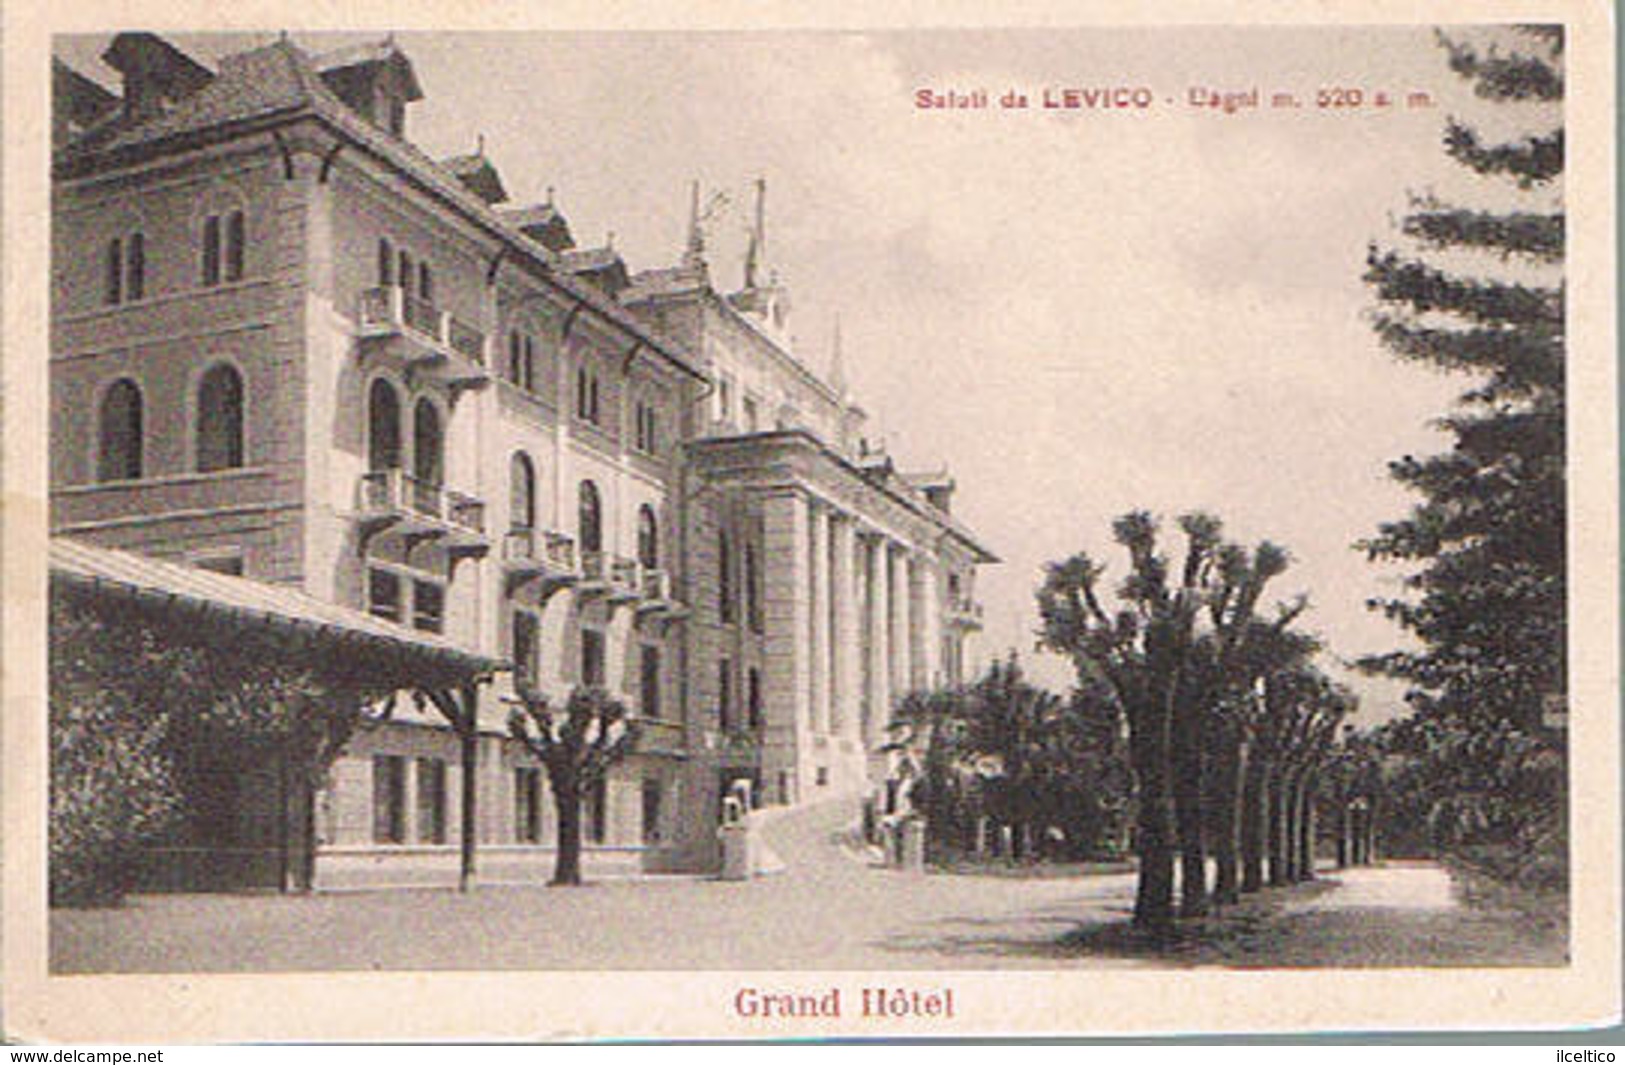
(287, 345)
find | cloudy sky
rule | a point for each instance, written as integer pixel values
(1079, 312)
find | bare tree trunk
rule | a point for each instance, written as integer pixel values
(1281, 828)
(1188, 807)
(1255, 821)
(567, 801)
(1154, 839)
(1276, 798)
(1226, 822)
(1306, 828)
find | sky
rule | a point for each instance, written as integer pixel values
(1079, 312)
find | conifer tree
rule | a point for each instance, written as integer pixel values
(1480, 292)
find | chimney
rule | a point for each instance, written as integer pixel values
(156, 74)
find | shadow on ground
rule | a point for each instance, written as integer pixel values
(1279, 928)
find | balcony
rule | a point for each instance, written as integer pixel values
(656, 595)
(537, 555)
(625, 580)
(420, 511)
(603, 574)
(428, 340)
(964, 613)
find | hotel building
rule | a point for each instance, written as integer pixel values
(288, 345)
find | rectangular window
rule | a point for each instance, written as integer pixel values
(403, 270)
(425, 283)
(527, 804)
(211, 250)
(384, 594)
(753, 697)
(530, 363)
(725, 579)
(431, 800)
(386, 263)
(725, 694)
(236, 237)
(113, 287)
(651, 809)
(598, 812)
(725, 402)
(135, 264)
(752, 419)
(388, 799)
(524, 649)
(428, 606)
(515, 375)
(592, 658)
(649, 689)
(753, 598)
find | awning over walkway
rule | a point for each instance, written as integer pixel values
(154, 584)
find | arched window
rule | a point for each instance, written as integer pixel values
(118, 456)
(648, 537)
(383, 427)
(220, 419)
(427, 464)
(522, 492)
(590, 520)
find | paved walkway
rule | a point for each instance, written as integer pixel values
(829, 909)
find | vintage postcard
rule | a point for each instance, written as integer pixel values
(766, 522)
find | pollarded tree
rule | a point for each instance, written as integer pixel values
(1480, 292)
(1166, 672)
(577, 745)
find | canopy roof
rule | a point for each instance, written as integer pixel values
(240, 603)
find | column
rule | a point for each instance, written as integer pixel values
(786, 618)
(819, 599)
(843, 685)
(901, 632)
(931, 621)
(914, 568)
(879, 702)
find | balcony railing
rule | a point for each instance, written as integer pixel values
(656, 584)
(390, 309)
(595, 567)
(397, 493)
(553, 550)
(965, 611)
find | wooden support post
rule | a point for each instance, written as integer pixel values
(469, 734)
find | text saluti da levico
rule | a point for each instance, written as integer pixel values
(1200, 98)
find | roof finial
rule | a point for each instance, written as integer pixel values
(696, 242)
(479, 144)
(550, 195)
(837, 362)
(609, 241)
(758, 236)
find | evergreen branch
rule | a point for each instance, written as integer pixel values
(1538, 236)
(1533, 161)
(1505, 77)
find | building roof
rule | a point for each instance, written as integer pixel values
(250, 603)
(385, 52)
(279, 83)
(475, 171)
(881, 478)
